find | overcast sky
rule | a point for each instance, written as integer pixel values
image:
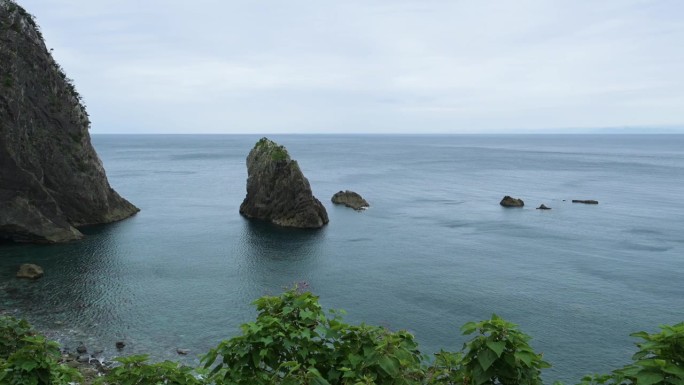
(364, 66)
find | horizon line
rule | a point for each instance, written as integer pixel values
(674, 132)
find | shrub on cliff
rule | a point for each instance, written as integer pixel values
(135, 370)
(293, 341)
(12, 334)
(30, 359)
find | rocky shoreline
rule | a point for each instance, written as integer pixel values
(91, 360)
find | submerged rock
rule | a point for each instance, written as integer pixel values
(543, 207)
(51, 179)
(586, 202)
(350, 199)
(277, 191)
(30, 271)
(508, 201)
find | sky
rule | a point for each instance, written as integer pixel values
(371, 66)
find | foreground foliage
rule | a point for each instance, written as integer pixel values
(293, 341)
(30, 359)
(134, 370)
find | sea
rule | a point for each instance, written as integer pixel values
(434, 250)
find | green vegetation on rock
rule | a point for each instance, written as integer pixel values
(277, 152)
(293, 341)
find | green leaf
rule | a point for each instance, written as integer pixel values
(355, 359)
(674, 369)
(315, 377)
(497, 346)
(525, 357)
(486, 358)
(390, 365)
(468, 328)
(648, 378)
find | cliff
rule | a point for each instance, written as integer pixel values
(277, 191)
(51, 179)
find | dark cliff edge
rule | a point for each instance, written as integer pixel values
(51, 179)
(277, 191)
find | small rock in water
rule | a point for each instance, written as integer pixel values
(120, 345)
(543, 207)
(183, 352)
(585, 201)
(81, 349)
(509, 201)
(350, 199)
(30, 271)
(83, 358)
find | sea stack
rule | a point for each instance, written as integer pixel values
(277, 191)
(51, 179)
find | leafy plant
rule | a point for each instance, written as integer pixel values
(447, 369)
(12, 334)
(293, 342)
(500, 354)
(136, 371)
(659, 361)
(36, 363)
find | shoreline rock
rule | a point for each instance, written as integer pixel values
(89, 366)
(350, 199)
(509, 201)
(277, 191)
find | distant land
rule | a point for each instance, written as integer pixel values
(609, 130)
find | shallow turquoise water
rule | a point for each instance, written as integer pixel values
(434, 251)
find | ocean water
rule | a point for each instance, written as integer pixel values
(434, 251)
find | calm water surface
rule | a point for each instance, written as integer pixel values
(434, 251)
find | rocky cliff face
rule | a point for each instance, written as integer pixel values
(51, 179)
(277, 191)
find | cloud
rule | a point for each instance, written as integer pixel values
(359, 66)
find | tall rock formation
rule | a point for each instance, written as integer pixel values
(51, 179)
(277, 191)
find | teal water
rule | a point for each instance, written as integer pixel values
(434, 251)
